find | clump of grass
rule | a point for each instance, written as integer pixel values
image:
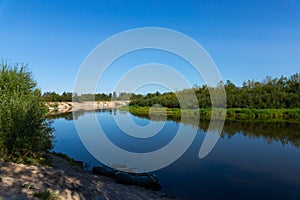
(28, 186)
(46, 195)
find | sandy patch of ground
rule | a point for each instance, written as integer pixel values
(65, 107)
(19, 181)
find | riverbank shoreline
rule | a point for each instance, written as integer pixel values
(64, 181)
(65, 107)
(234, 114)
(231, 113)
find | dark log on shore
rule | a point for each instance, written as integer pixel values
(146, 180)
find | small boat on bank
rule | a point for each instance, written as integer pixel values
(146, 180)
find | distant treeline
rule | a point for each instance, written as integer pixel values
(276, 93)
(67, 97)
(283, 92)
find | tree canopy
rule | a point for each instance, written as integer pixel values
(280, 92)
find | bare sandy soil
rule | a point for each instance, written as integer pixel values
(18, 181)
(64, 107)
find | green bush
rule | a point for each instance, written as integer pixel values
(25, 133)
(46, 195)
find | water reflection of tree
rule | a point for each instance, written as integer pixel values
(76, 114)
(284, 132)
(67, 116)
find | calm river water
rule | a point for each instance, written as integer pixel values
(251, 160)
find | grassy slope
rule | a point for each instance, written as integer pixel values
(231, 113)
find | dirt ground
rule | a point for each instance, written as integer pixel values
(18, 181)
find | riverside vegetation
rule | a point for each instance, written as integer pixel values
(271, 93)
(271, 99)
(25, 132)
(240, 114)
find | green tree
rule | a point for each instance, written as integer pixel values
(114, 96)
(25, 133)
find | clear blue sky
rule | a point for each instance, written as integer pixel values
(247, 39)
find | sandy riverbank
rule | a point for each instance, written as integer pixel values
(18, 181)
(64, 107)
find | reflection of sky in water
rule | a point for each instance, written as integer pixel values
(237, 167)
(134, 144)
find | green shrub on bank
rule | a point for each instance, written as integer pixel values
(24, 131)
